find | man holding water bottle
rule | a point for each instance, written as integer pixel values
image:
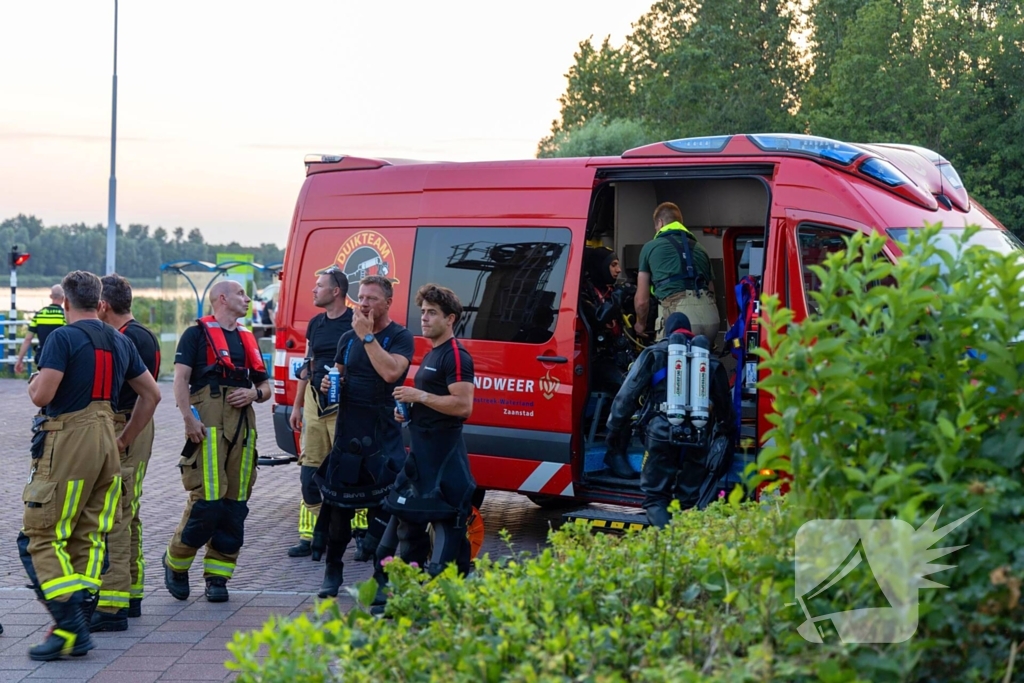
(218, 375)
(314, 411)
(372, 359)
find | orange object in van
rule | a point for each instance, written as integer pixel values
(509, 238)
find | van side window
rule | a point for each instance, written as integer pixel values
(816, 243)
(509, 280)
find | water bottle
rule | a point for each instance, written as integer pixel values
(334, 388)
(403, 410)
(196, 414)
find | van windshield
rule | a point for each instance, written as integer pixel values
(1002, 242)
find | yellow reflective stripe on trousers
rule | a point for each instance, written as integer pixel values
(211, 480)
(140, 563)
(98, 538)
(179, 564)
(72, 497)
(245, 476)
(306, 522)
(113, 599)
(62, 585)
(218, 567)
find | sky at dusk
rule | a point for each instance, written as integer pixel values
(218, 102)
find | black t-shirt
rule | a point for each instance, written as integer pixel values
(322, 337)
(192, 352)
(361, 380)
(69, 350)
(148, 346)
(442, 366)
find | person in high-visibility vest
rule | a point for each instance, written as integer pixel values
(676, 268)
(74, 487)
(218, 373)
(48, 319)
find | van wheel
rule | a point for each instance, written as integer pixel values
(554, 502)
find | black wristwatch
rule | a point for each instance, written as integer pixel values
(369, 338)
(259, 395)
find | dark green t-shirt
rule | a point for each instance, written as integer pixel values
(660, 258)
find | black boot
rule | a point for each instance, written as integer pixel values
(216, 589)
(106, 621)
(70, 634)
(89, 602)
(176, 582)
(618, 463)
(366, 547)
(134, 608)
(302, 549)
(332, 580)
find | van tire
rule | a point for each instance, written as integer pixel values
(554, 502)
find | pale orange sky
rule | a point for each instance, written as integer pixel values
(218, 102)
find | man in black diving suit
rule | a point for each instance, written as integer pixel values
(687, 451)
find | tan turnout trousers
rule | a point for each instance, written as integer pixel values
(218, 476)
(127, 571)
(72, 501)
(317, 439)
(700, 308)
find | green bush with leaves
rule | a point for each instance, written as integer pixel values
(899, 398)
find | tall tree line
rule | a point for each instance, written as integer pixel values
(943, 74)
(56, 250)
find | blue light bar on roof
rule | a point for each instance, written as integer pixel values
(823, 148)
(884, 172)
(710, 143)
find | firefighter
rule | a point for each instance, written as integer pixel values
(368, 451)
(121, 593)
(45, 321)
(676, 268)
(219, 373)
(685, 455)
(435, 485)
(311, 413)
(74, 486)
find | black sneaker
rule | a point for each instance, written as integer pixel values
(105, 621)
(216, 589)
(303, 549)
(134, 608)
(176, 582)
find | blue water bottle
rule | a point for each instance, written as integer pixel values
(403, 410)
(196, 413)
(334, 388)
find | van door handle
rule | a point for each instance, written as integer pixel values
(552, 359)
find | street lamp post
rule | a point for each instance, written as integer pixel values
(112, 197)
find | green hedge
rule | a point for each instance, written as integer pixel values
(881, 414)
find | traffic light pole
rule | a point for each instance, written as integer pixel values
(12, 333)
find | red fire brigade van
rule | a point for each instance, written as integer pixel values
(509, 238)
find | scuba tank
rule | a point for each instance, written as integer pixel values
(678, 380)
(700, 379)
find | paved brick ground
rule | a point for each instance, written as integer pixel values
(185, 640)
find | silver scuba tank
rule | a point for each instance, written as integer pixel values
(678, 379)
(700, 380)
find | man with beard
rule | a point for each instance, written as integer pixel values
(368, 451)
(311, 413)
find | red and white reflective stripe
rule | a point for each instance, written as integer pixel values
(550, 478)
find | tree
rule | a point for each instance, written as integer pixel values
(137, 232)
(160, 235)
(195, 236)
(596, 137)
(179, 234)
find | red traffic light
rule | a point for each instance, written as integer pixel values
(19, 259)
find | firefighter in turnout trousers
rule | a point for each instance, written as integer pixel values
(121, 592)
(72, 498)
(218, 372)
(312, 414)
